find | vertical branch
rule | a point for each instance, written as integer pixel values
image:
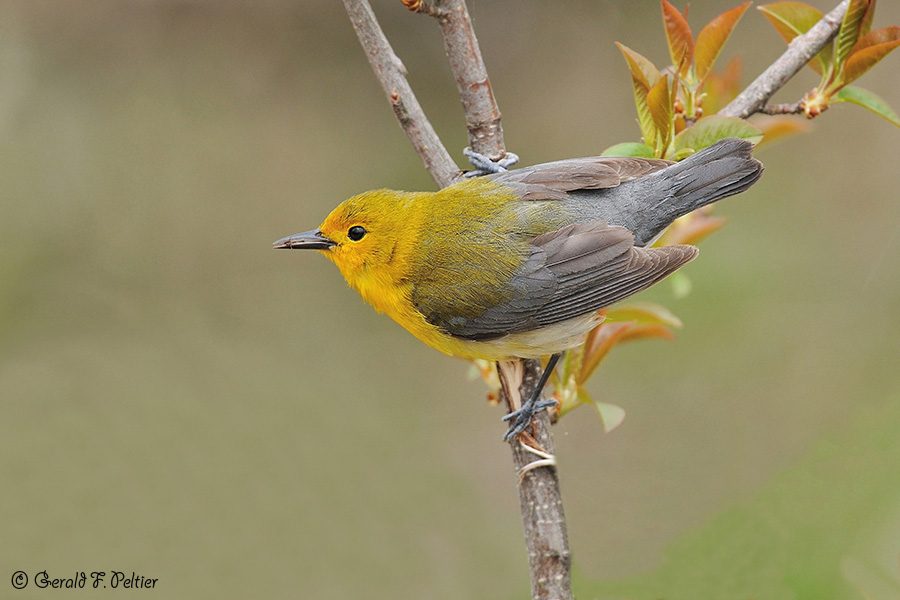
(467, 66)
(543, 518)
(541, 503)
(540, 500)
(392, 75)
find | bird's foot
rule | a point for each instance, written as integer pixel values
(524, 415)
(485, 166)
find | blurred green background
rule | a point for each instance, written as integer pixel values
(178, 400)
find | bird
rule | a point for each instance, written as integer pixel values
(517, 264)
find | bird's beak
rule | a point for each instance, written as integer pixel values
(308, 240)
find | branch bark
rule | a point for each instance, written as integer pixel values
(546, 537)
(800, 51)
(392, 75)
(467, 66)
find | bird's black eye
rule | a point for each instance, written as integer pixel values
(356, 233)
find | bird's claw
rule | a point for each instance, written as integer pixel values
(485, 166)
(523, 417)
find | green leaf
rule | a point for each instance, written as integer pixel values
(659, 101)
(644, 75)
(679, 37)
(849, 31)
(630, 149)
(791, 19)
(712, 37)
(610, 415)
(870, 49)
(681, 285)
(867, 100)
(709, 130)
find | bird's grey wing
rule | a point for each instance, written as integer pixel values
(570, 272)
(553, 180)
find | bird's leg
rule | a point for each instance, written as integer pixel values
(524, 415)
(485, 166)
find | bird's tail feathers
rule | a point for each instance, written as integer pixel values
(721, 170)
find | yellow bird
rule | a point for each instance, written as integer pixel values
(516, 264)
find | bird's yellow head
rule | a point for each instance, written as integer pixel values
(366, 236)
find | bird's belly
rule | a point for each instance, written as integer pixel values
(528, 344)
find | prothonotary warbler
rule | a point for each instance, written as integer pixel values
(517, 264)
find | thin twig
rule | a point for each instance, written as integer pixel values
(800, 51)
(467, 66)
(794, 108)
(392, 75)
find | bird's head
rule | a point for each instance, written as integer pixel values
(361, 235)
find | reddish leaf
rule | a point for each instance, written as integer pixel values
(712, 37)
(679, 36)
(637, 332)
(776, 127)
(694, 227)
(866, 25)
(849, 31)
(721, 87)
(791, 19)
(879, 36)
(597, 345)
(870, 49)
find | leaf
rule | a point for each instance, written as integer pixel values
(867, 100)
(644, 75)
(791, 19)
(721, 87)
(709, 130)
(712, 37)
(849, 31)
(597, 344)
(630, 149)
(870, 49)
(610, 415)
(692, 228)
(659, 101)
(681, 284)
(641, 332)
(866, 25)
(679, 36)
(777, 127)
(643, 313)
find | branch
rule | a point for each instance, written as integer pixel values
(546, 538)
(800, 51)
(539, 497)
(540, 500)
(461, 46)
(392, 75)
